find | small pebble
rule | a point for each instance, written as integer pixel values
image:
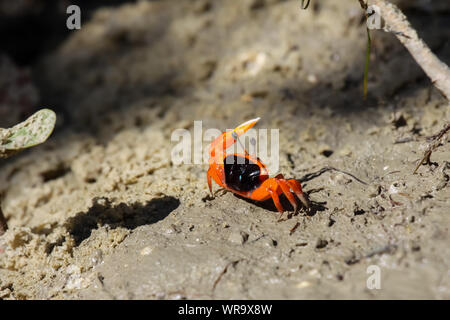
(303, 284)
(312, 79)
(238, 237)
(146, 251)
(374, 190)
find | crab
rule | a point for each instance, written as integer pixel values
(246, 175)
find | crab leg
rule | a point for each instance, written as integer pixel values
(212, 173)
(276, 200)
(287, 192)
(297, 188)
(208, 177)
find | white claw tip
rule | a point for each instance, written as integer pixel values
(250, 121)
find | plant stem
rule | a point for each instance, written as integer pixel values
(3, 224)
(366, 68)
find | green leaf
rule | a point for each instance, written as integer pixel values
(33, 131)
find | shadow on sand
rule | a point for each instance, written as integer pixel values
(123, 215)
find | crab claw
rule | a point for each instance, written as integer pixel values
(241, 129)
(227, 139)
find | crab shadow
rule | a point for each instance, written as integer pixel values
(123, 215)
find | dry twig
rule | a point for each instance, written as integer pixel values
(397, 23)
(435, 142)
(313, 175)
(3, 224)
(294, 228)
(232, 263)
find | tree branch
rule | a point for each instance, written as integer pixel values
(396, 22)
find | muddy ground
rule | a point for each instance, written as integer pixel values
(100, 211)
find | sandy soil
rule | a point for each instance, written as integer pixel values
(100, 211)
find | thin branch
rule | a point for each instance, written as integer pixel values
(366, 68)
(363, 5)
(305, 5)
(3, 224)
(313, 175)
(294, 228)
(232, 263)
(435, 142)
(396, 22)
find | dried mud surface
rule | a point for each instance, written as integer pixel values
(100, 211)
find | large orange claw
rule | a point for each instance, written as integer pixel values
(227, 139)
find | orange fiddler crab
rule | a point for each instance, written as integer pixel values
(246, 175)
